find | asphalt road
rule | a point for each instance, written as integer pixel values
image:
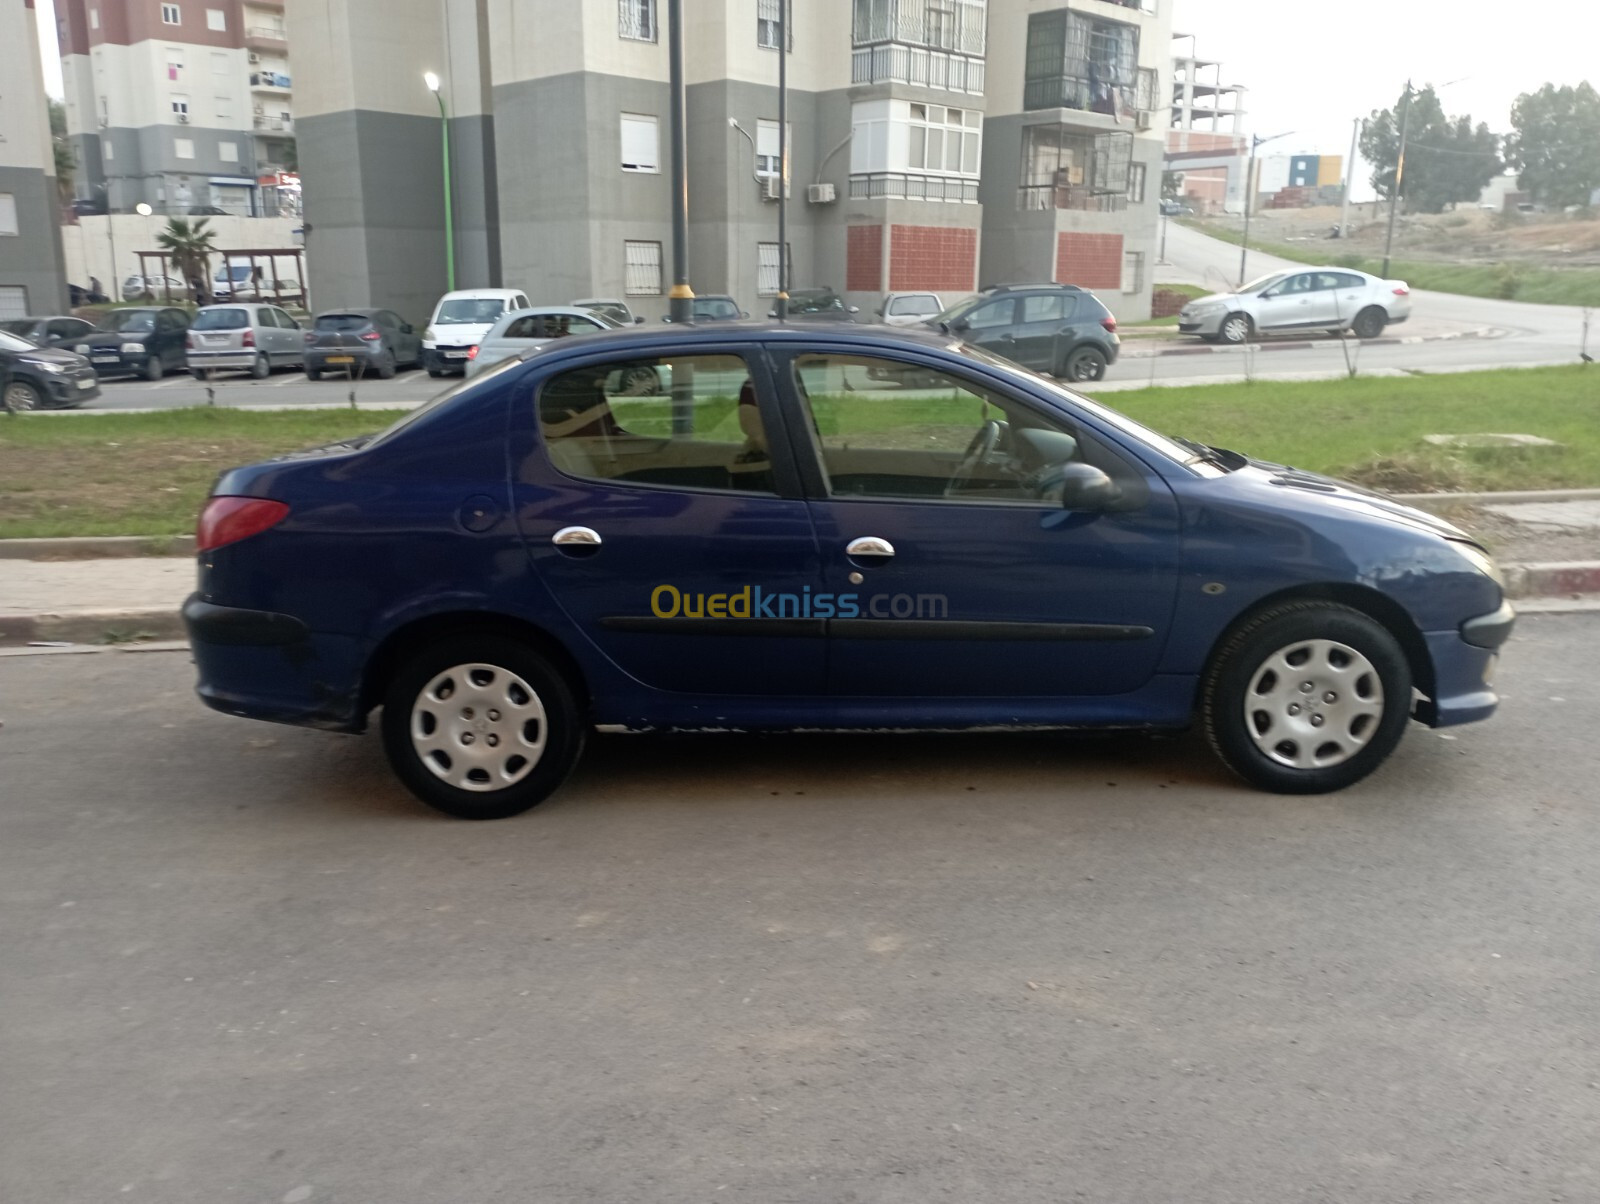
(239, 963)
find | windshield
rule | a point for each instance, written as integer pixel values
(342, 321)
(959, 308)
(129, 320)
(222, 319)
(1262, 282)
(470, 311)
(21, 326)
(10, 342)
(715, 309)
(914, 306)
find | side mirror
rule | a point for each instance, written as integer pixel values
(665, 317)
(772, 313)
(638, 320)
(1087, 488)
(744, 313)
(855, 309)
(960, 325)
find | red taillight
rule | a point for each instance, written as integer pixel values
(188, 341)
(249, 338)
(227, 520)
(372, 336)
(472, 352)
(311, 336)
(1109, 323)
(1401, 290)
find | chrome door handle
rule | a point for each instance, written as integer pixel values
(576, 537)
(869, 545)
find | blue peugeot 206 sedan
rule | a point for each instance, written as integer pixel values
(792, 527)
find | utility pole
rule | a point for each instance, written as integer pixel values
(680, 300)
(432, 80)
(1256, 140)
(1399, 174)
(1349, 178)
(782, 306)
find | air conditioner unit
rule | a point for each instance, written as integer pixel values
(771, 187)
(820, 194)
(1144, 119)
(254, 57)
(183, 119)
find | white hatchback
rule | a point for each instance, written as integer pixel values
(460, 321)
(1311, 299)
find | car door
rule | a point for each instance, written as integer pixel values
(1296, 302)
(171, 328)
(1044, 330)
(960, 574)
(990, 326)
(294, 343)
(670, 528)
(1350, 293)
(61, 332)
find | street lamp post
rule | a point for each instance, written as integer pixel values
(1399, 174)
(1256, 140)
(432, 81)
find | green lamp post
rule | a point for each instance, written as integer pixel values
(432, 81)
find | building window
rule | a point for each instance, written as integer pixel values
(219, 63)
(640, 147)
(183, 148)
(1133, 272)
(228, 152)
(767, 13)
(170, 15)
(768, 161)
(108, 150)
(1068, 167)
(8, 213)
(944, 139)
(767, 268)
(180, 107)
(641, 269)
(94, 18)
(636, 20)
(216, 19)
(1079, 62)
(174, 63)
(1136, 184)
(941, 24)
(224, 109)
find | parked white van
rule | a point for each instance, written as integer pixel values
(460, 321)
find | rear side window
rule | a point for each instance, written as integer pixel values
(523, 328)
(1046, 307)
(334, 323)
(222, 319)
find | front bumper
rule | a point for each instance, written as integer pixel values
(1200, 323)
(108, 361)
(1463, 668)
(69, 389)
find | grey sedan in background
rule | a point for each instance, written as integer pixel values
(523, 329)
(361, 342)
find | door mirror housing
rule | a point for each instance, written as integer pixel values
(960, 326)
(855, 309)
(1086, 488)
(639, 320)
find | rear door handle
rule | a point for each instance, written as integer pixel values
(576, 541)
(869, 545)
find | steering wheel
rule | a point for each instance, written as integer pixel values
(980, 449)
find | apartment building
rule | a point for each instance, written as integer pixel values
(178, 104)
(1205, 143)
(31, 273)
(933, 144)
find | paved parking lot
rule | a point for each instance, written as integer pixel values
(239, 963)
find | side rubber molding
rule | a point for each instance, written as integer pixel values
(212, 624)
(1491, 630)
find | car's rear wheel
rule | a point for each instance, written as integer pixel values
(261, 366)
(154, 369)
(313, 373)
(1236, 328)
(20, 396)
(436, 372)
(1370, 322)
(1306, 698)
(386, 366)
(481, 727)
(1085, 363)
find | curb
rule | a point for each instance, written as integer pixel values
(1446, 501)
(94, 547)
(1554, 580)
(1482, 332)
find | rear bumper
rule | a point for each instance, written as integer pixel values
(242, 358)
(321, 358)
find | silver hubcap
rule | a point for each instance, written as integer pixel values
(1235, 330)
(19, 397)
(478, 727)
(1313, 704)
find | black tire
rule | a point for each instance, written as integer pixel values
(562, 729)
(436, 373)
(1084, 364)
(386, 366)
(1370, 322)
(638, 382)
(21, 396)
(260, 367)
(313, 373)
(1235, 329)
(154, 369)
(1240, 673)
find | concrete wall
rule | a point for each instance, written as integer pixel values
(88, 245)
(31, 258)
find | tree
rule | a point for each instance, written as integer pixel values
(66, 157)
(1448, 159)
(1555, 143)
(191, 249)
(1171, 185)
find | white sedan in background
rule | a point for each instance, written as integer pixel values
(1309, 299)
(519, 330)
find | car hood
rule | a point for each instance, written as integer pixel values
(1265, 480)
(51, 355)
(1213, 299)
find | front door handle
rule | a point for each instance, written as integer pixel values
(576, 540)
(869, 545)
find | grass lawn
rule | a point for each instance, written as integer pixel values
(147, 474)
(1509, 281)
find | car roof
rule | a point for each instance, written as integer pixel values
(682, 336)
(535, 311)
(1019, 288)
(483, 293)
(350, 309)
(602, 301)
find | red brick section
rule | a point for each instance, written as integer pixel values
(933, 257)
(1165, 303)
(1089, 260)
(864, 260)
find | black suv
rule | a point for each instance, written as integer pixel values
(1054, 328)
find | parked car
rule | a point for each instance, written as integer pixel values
(361, 342)
(250, 337)
(240, 280)
(818, 304)
(773, 546)
(460, 321)
(51, 331)
(35, 378)
(154, 288)
(1058, 329)
(146, 341)
(523, 329)
(714, 307)
(908, 309)
(612, 308)
(207, 211)
(1170, 208)
(1331, 299)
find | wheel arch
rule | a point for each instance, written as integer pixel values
(393, 649)
(1375, 605)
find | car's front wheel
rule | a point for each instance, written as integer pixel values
(20, 396)
(1306, 697)
(1235, 328)
(481, 727)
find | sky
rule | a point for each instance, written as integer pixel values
(1311, 68)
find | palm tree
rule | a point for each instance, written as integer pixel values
(191, 250)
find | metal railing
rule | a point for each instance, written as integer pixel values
(891, 62)
(266, 33)
(636, 20)
(908, 186)
(1035, 197)
(283, 124)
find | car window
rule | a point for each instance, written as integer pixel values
(66, 328)
(339, 322)
(519, 302)
(688, 422)
(1347, 280)
(11, 342)
(919, 305)
(1045, 307)
(527, 327)
(385, 318)
(167, 320)
(884, 428)
(577, 325)
(286, 319)
(995, 313)
(129, 321)
(222, 319)
(715, 308)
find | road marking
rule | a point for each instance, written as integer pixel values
(289, 380)
(168, 383)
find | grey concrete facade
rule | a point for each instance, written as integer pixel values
(31, 259)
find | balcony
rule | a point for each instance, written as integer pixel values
(895, 63)
(911, 186)
(1035, 197)
(269, 81)
(266, 37)
(274, 125)
(1091, 91)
